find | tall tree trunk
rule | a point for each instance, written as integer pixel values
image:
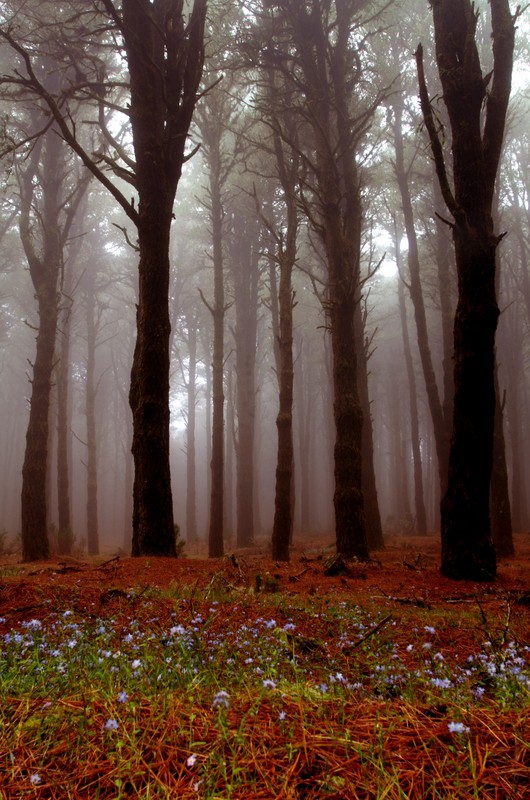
(191, 490)
(44, 271)
(287, 165)
(153, 532)
(348, 496)
(467, 548)
(216, 533)
(374, 529)
(229, 459)
(90, 411)
(64, 534)
(283, 505)
(165, 61)
(304, 385)
(326, 63)
(245, 255)
(419, 502)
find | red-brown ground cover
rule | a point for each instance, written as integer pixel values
(406, 571)
(400, 582)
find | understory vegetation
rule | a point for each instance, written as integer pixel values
(217, 694)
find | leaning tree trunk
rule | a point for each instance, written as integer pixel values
(467, 547)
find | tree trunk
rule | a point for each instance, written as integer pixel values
(90, 411)
(35, 544)
(467, 547)
(216, 532)
(153, 532)
(245, 257)
(374, 529)
(165, 65)
(44, 271)
(283, 505)
(191, 491)
(419, 502)
(64, 534)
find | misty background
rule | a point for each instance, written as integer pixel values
(96, 328)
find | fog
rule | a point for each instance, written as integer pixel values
(96, 330)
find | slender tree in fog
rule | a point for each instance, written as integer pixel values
(244, 254)
(215, 122)
(467, 548)
(402, 171)
(419, 501)
(283, 126)
(45, 223)
(65, 533)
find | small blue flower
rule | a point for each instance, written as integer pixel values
(35, 778)
(457, 727)
(111, 725)
(221, 700)
(123, 697)
(269, 684)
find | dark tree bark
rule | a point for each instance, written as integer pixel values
(337, 124)
(374, 528)
(165, 59)
(165, 66)
(467, 547)
(283, 502)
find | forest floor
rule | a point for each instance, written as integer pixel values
(246, 678)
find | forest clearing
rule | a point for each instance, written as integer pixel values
(243, 677)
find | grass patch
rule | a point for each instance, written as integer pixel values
(193, 694)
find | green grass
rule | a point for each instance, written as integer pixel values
(261, 697)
